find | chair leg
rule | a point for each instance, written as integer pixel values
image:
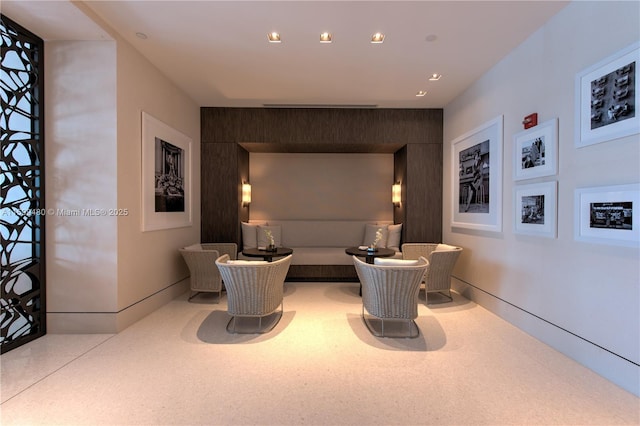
(275, 319)
(448, 296)
(412, 333)
(194, 294)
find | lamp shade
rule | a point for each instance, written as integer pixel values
(246, 193)
(396, 191)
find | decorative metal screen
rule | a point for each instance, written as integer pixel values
(22, 307)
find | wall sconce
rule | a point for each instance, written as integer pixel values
(396, 191)
(246, 194)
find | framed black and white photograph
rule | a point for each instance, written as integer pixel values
(606, 215)
(477, 178)
(607, 98)
(166, 176)
(535, 151)
(535, 209)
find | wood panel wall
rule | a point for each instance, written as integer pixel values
(413, 135)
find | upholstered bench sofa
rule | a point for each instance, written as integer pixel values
(319, 245)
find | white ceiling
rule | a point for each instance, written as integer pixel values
(218, 53)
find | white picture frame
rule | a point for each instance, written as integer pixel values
(535, 151)
(608, 215)
(478, 209)
(535, 209)
(607, 98)
(166, 176)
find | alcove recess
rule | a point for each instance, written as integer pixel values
(414, 136)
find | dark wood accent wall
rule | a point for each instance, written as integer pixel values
(413, 135)
(224, 167)
(338, 128)
(423, 213)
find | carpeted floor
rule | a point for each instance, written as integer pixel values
(319, 366)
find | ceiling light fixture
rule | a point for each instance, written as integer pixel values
(325, 38)
(274, 37)
(377, 38)
(435, 77)
(421, 93)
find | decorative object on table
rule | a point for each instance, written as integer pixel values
(535, 211)
(200, 258)
(271, 242)
(255, 290)
(374, 245)
(476, 166)
(606, 215)
(535, 151)
(269, 235)
(166, 176)
(607, 97)
(390, 297)
(373, 232)
(442, 258)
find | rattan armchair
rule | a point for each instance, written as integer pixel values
(255, 289)
(390, 295)
(442, 258)
(201, 260)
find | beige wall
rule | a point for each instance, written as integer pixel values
(80, 174)
(301, 186)
(104, 272)
(580, 298)
(149, 262)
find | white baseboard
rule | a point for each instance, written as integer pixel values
(112, 322)
(607, 364)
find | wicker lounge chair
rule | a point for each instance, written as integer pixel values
(442, 258)
(254, 290)
(201, 260)
(390, 294)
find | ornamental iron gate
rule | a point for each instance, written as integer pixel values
(22, 302)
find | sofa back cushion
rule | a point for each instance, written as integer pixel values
(395, 234)
(250, 233)
(322, 233)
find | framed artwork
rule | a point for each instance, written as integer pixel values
(166, 176)
(536, 209)
(477, 178)
(535, 151)
(607, 97)
(606, 215)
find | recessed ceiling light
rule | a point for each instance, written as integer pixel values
(421, 93)
(377, 38)
(142, 36)
(435, 77)
(325, 38)
(274, 37)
